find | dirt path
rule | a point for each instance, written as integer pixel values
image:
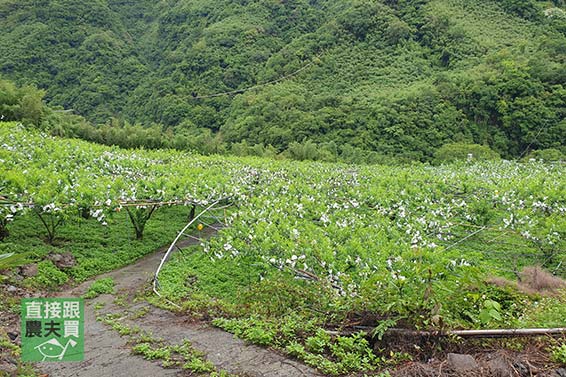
(107, 353)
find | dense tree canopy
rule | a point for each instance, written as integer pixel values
(383, 77)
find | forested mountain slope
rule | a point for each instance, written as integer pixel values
(400, 77)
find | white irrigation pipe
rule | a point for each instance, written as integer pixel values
(172, 246)
(488, 333)
(503, 333)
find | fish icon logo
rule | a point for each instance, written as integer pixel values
(53, 349)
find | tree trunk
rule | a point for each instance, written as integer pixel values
(3, 231)
(192, 213)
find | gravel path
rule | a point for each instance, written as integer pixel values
(107, 354)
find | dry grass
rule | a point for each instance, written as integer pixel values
(533, 361)
(540, 280)
(534, 280)
(416, 370)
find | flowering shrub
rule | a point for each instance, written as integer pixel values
(411, 245)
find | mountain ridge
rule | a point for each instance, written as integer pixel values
(396, 77)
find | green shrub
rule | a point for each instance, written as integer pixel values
(100, 286)
(48, 276)
(198, 365)
(319, 342)
(461, 151)
(11, 260)
(547, 155)
(151, 353)
(558, 354)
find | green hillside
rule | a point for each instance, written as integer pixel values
(397, 77)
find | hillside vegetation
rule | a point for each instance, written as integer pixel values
(308, 246)
(396, 77)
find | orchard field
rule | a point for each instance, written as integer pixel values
(307, 247)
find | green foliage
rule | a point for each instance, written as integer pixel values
(6, 344)
(549, 155)
(354, 352)
(51, 220)
(528, 9)
(460, 151)
(23, 104)
(198, 365)
(355, 81)
(343, 354)
(547, 313)
(183, 355)
(124, 330)
(100, 286)
(309, 245)
(253, 330)
(96, 248)
(319, 342)
(144, 344)
(48, 276)
(150, 353)
(491, 312)
(333, 356)
(11, 260)
(558, 354)
(139, 217)
(10, 350)
(382, 328)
